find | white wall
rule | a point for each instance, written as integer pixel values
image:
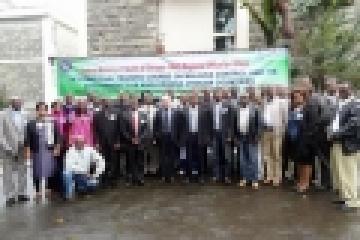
(242, 27)
(71, 12)
(187, 25)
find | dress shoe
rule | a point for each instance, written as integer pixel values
(23, 198)
(266, 181)
(338, 201)
(10, 202)
(242, 183)
(227, 181)
(172, 180)
(214, 180)
(276, 183)
(186, 180)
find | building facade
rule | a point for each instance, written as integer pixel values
(28, 39)
(138, 27)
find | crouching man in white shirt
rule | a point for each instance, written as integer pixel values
(83, 166)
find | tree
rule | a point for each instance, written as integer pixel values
(268, 19)
(275, 18)
(329, 46)
(325, 44)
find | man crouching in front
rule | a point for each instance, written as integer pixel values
(83, 166)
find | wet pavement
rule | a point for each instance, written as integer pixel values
(158, 211)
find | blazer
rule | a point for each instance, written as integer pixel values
(127, 129)
(255, 126)
(349, 134)
(12, 137)
(227, 120)
(174, 128)
(106, 127)
(205, 123)
(312, 130)
(32, 137)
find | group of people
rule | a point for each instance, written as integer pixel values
(219, 135)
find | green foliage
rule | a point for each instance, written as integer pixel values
(2, 98)
(330, 46)
(327, 44)
(267, 19)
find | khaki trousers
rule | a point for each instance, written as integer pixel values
(271, 151)
(348, 179)
(335, 161)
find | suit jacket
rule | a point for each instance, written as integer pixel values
(122, 126)
(160, 125)
(312, 124)
(227, 119)
(32, 137)
(12, 137)
(205, 123)
(181, 125)
(329, 108)
(127, 128)
(255, 125)
(349, 134)
(106, 127)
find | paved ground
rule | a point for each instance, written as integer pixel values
(183, 212)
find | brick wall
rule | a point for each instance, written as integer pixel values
(122, 27)
(20, 39)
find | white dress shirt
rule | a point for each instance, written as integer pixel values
(335, 126)
(194, 119)
(218, 111)
(243, 119)
(275, 114)
(78, 161)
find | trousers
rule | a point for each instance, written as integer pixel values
(15, 176)
(348, 179)
(77, 182)
(248, 158)
(272, 157)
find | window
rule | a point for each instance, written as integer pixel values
(224, 24)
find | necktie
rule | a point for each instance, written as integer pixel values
(168, 120)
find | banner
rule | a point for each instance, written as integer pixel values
(111, 76)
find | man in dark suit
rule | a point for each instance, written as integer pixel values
(121, 106)
(167, 138)
(205, 132)
(106, 131)
(150, 151)
(135, 130)
(181, 139)
(192, 114)
(248, 128)
(221, 138)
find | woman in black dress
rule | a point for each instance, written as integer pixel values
(299, 149)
